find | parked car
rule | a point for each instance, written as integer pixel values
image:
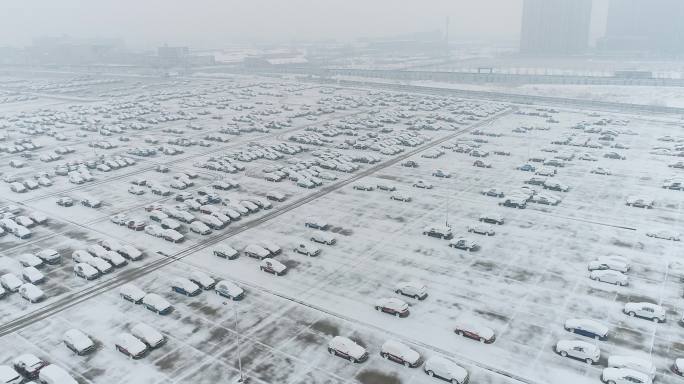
(492, 219)
(156, 304)
(514, 202)
(317, 224)
(226, 252)
(400, 353)
(579, 350)
(229, 290)
(256, 251)
(323, 238)
(639, 364)
(9, 376)
(65, 202)
(49, 256)
(464, 244)
(10, 282)
(639, 202)
(199, 227)
(664, 234)
(86, 271)
(475, 331)
(441, 173)
(392, 306)
(91, 203)
(648, 311)
(423, 185)
(446, 370)
(398, 196)
(53, 374)
(347, 349)
(148, 335)
(31, 293)
(616, 263)
(130, 346)
(78, 342)
(307, 249)
(412, 289)
(624, 376)
(30, 260)
(493, 192)
(273, 266)
(482, 229)
(203, 280)
(587, 327)
(185, 287)
(610, 276)
(440, 232)
(132, 293)
(28, 365)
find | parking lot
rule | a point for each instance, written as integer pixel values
(343, 155)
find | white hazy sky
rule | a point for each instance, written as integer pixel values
(217, 23)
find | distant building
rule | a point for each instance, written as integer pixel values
(650, 26)
(555, 27)
(168, 56)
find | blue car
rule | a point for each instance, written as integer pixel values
(587, 327)
(527, 168)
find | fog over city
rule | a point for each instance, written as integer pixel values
(341, 192)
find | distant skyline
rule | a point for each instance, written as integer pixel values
(218, 23)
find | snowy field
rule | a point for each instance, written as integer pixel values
(523, 282)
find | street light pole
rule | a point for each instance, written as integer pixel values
(241, 379)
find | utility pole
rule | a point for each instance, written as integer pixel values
(242, 378)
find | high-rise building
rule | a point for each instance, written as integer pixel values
(645, 26)
(555, 26)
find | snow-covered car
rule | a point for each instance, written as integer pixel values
(414, 289)
(78, 342)
(347, 349)
(275, 196)
(256, 251)
(323, 238)
(130, 346)
(49, 256)
(132, 293)
(482, 229)
(555, 186)
(400, 353)
(587, 327)
(423, 185)
(91, 203)
(32, 275)
(648, 311)
(614, 155)
(9, 376)
(636, 363)
(30, 260)
(54, 374)
(229, 290)
(119, 219)
(364, 187)
(579, 350)
(204, 281)
(148, 335)
(393, 306)
(28, 365)
(226, 252)
(136, 190)
(273, 266)
(386, 187)
(493, 192)
(307, 249)
(545, 199)
(156, 304)
(10, 282)
(446, 370)
(130, 252)
(114, 258)
(185, 287)
(317, 224)
(441, 173)
(482, 164)
(491, 218)
(31, 293)
(475, 331)
(199, 227)
(398, 196)
(624, 376)
(514, 202)
(464, 244)
(601, 171)
(678, 367)
(664, 234)
(639, 202)
(438, 231)
(616, 263)
(610, 276)
(86, 271)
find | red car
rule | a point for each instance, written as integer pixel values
(476, 332)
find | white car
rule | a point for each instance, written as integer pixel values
(639, 202)
(414, 289)
(229, 290)
(610, 276)
(475, 331)
(601, 171)
(10, 282)
(226, 252)
(49, 256)
(639, 364)
(579, 350)
(32, 275)
(53, 374)
(9, 375)
(156, 304)
(78, 342)
(664, 234)
(482, 229)
(347, 349)
(624, 376)
(86, 271)
(136, 190)
(31, 293)
(615, 263)
(114, 258)
(205, 281)
(323, 238)
(148, 335)
(256, 251)
(464, 244)
(398, 196)
(587, 327)
(131, 293)
(446, 370)
(644, 310)
(272, 266)
(130, 346)
(30, 260)
(307, 249)
(28, 365)
(400, 353)
(393, 306)
(200, 227)
(185, 287)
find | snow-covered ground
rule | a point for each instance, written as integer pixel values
(523, 282)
